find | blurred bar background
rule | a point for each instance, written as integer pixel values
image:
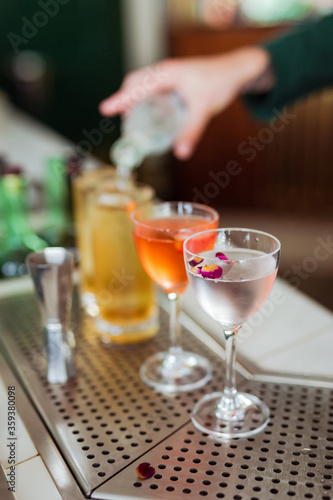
(59, 65)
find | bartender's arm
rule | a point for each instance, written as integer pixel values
(269, 76)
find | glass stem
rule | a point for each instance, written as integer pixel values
(174, 325)
(227, 405)
(230, 372)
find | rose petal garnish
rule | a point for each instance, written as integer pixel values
(212, 272)
(145, 470)
(221, 256)
(195, 261)
(196, 270)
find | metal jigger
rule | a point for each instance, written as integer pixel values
(52, 273)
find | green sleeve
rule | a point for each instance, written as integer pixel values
(302, 61)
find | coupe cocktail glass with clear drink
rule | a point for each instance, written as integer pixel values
(159, 233)
(231, 282)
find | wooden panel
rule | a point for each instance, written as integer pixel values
(291, 168)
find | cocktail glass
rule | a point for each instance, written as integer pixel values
(159, 233)
(231, 282)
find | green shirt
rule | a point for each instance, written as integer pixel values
(302, 61)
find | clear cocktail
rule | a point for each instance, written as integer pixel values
(231, 282)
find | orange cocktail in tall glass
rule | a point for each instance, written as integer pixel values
(159, 234)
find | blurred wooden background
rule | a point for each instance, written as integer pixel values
(293, 171)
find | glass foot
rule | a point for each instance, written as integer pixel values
(223, 417)
(168, 372)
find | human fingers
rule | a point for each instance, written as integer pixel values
(138, 85)
(190, 135)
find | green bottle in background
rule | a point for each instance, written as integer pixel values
(57, 216)
(58, 228)
(18, 239)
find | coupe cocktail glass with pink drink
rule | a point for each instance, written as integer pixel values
(231, 282)
(159, 234)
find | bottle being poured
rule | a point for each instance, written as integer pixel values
(150, 128)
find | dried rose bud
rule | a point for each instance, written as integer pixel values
(145, 470)
(195, 261)
(221, 256)
(212, 272)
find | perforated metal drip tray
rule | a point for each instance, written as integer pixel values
(107, 421)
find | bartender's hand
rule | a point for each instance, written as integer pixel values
(206, 84)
